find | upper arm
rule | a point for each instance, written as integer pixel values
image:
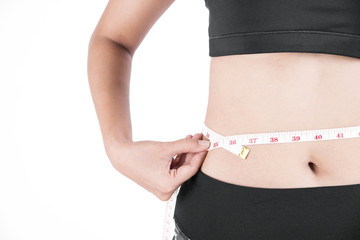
(128, 21)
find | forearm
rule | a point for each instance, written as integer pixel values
(109, 69)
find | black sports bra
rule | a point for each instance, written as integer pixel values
(263, 26)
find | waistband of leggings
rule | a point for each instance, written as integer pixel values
(204, 205)
(203, 180)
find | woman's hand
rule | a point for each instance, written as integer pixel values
(159, 167)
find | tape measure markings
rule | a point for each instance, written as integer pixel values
(234, 144)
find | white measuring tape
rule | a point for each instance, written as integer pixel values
(234, 144)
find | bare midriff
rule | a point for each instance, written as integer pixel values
(287, 91)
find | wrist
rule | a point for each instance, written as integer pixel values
(118, 153)
(116, 143)
(116, 138)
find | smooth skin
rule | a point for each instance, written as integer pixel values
(248, 93)
(287, 91)
(159, 167)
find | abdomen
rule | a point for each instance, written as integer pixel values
(275, 92)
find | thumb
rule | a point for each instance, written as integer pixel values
(188, 145)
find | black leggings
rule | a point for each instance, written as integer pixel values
(210, 209)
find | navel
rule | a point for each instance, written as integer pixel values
(313, 167)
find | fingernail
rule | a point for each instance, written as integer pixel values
(204, 142)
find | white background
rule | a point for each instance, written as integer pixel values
(56, 181)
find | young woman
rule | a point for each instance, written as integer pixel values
(276, 66)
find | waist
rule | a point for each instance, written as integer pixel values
(235, 143)
(294, 94)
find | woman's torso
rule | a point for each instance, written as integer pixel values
(286, 91)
